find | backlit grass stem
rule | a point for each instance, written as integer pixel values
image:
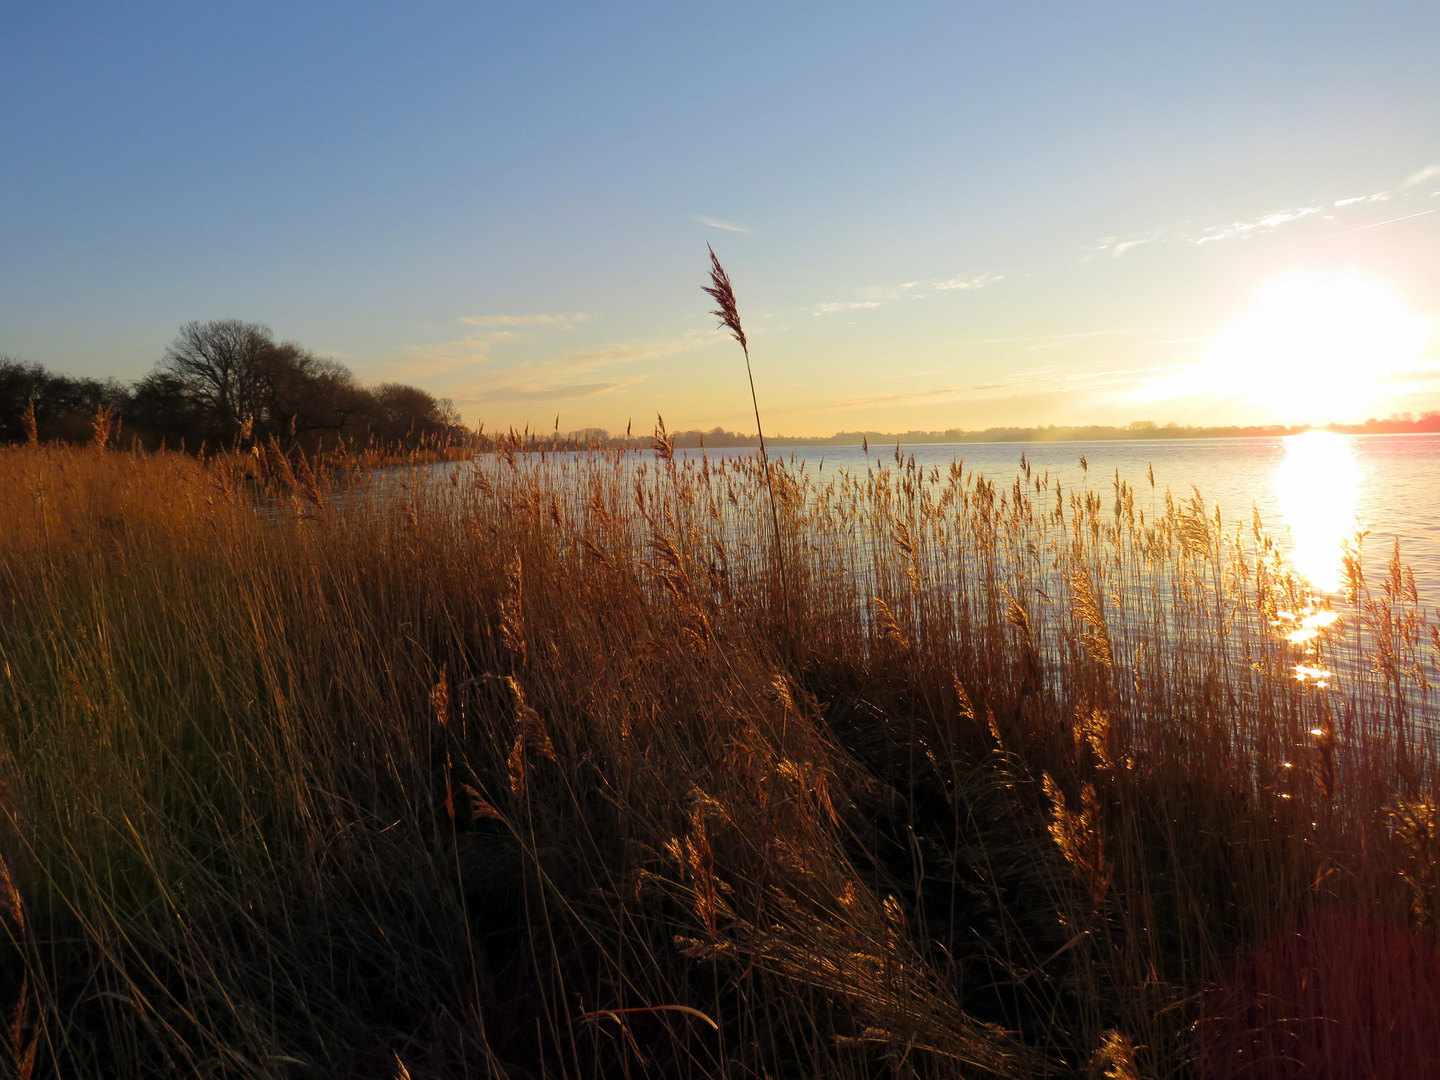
(729, 315)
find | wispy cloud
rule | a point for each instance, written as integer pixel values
(1417, 379)
(1264, 224)
(728, 226)
(439, 358)
(977, 282)
(473, 394)
(891, 292)
(564, 322)
(874, 296)
(1118, 246)
(446, 357)
(1427, 173)
(1045, 380)
(1052, 337)
(1342, 232)
(572, 374)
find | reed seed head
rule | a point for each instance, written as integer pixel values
(719, 288)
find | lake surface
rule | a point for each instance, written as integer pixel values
(1312, 491)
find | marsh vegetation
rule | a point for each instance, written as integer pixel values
(529, 766)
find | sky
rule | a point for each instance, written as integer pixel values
(935, 215)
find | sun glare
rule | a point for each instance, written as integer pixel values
(1319, 486)
(1310, 349)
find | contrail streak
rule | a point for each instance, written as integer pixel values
(1327, 236)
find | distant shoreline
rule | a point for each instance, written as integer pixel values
(718, 438)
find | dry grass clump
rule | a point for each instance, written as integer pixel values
(524, 767)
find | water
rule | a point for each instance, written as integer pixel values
(1312, 491)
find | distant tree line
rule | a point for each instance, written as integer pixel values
(1400, 423)
(1395, 424)
(222, 383)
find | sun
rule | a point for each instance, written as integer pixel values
(1310, 349)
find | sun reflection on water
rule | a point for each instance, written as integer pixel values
(1307, 625)
(1318, 485)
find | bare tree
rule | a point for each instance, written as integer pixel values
(220, 379)
(304, 397)
(217, 365)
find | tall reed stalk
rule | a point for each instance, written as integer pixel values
(729, 314)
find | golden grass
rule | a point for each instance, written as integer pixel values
(529, 766)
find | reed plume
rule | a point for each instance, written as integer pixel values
(32, 431)
(102, 425)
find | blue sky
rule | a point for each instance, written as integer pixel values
(935, 215)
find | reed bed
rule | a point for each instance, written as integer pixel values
(529, 765)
